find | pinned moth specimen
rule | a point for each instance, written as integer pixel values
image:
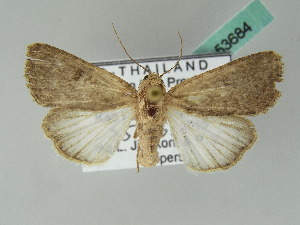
(92, 108)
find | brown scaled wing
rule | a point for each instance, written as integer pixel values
(245, 86)
(61, 80)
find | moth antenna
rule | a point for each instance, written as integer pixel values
(180, 55)
(126, 50)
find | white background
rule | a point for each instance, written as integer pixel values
(39, 187)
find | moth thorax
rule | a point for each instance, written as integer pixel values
(154, 93)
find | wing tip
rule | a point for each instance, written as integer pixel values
(276, 62)
(278, 65)
(35, 47)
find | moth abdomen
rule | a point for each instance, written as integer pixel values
(150, 136)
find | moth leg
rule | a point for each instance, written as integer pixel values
(137, 162)
(136, 132)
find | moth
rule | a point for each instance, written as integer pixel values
(92, 108)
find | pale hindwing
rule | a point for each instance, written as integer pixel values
(210, 142)
(87, 137)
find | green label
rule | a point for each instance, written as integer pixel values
(238, 31)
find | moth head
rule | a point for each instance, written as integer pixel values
(151, 76)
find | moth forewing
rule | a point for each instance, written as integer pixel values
(245, 86)
(59, 79)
